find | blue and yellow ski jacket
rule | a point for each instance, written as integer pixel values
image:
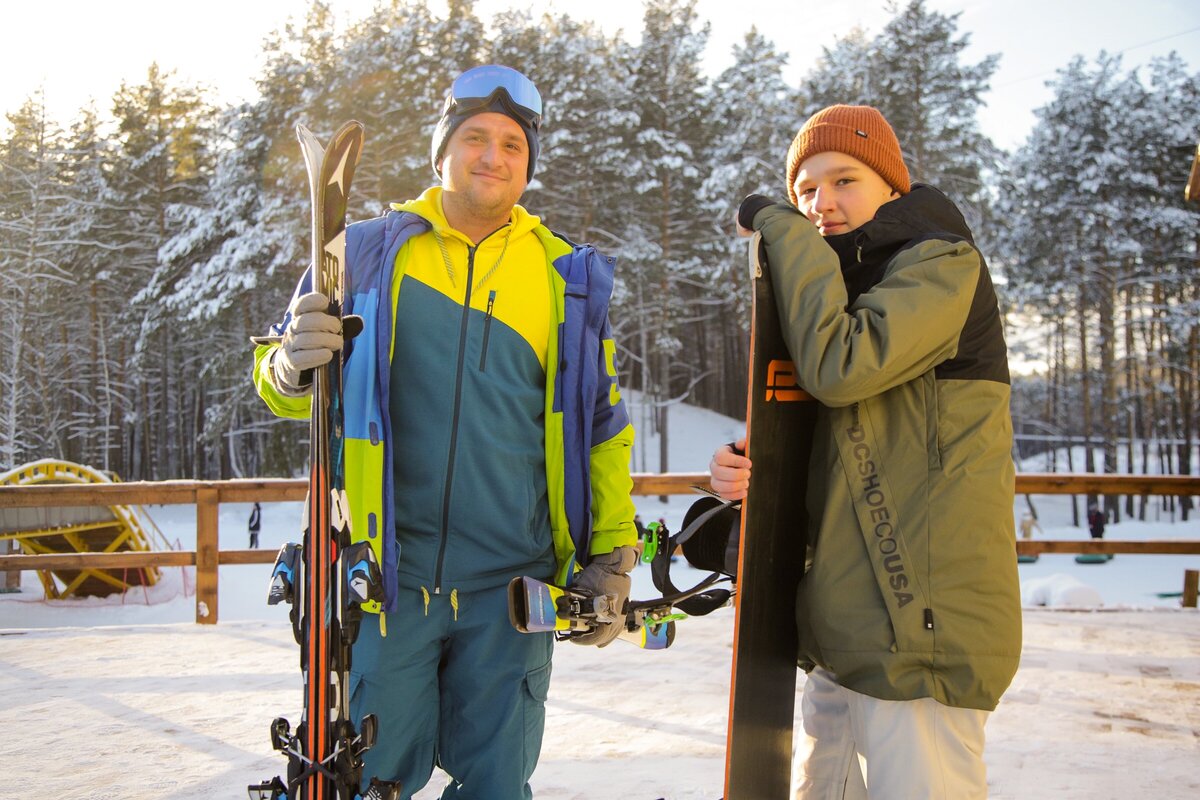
(564, 341)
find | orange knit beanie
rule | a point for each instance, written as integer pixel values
(859, 131)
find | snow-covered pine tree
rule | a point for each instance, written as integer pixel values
(388, 58)
(162, 163)
(752, 116)
(1086, 217)
(843, 74)
(586, 94)
(913, 72)
(932, 99)
(223, 248)
(664, 259)
(1170, 307)
(33, 421)
(89, 373)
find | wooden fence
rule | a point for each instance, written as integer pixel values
(208, 495)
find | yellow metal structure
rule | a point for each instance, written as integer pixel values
(81, 529)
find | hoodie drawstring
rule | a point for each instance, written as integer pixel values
(425, 596)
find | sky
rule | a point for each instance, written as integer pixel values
(74, 50)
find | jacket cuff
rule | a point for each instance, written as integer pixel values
(281, 386)
(751, 206)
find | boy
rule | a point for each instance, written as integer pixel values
(909, 613)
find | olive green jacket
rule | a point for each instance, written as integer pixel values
(911, 589)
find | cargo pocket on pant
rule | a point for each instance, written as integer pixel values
(533, 704)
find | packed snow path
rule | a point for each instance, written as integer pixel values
(1106, 705)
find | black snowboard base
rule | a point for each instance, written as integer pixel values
(779, 425)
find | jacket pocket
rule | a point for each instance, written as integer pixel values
(933, 439)
(533, 706)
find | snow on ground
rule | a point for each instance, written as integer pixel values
(1104, 706)
(126, 697)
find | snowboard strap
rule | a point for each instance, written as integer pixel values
(699, 600)
(882, 529)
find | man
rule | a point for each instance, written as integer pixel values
(909, 612)
(486, 439)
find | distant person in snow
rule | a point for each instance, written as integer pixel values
(1095, 520)
(1028, 523)
(255, 525)
(486, 439)
(909, 613)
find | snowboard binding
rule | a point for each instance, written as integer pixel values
(535, 606)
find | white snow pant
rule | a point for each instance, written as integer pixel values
(856, 747)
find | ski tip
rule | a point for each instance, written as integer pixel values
(349, 126)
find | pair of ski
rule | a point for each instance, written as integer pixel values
(327, 578)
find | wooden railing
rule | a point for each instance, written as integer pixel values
(208, 495)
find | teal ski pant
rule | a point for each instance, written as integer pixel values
(453, 685)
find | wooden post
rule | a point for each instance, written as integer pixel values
(12, 578)
(1191, 583)
(207, 555)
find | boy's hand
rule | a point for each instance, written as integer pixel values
(729, 473)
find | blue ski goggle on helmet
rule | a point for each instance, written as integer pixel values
(479, 87)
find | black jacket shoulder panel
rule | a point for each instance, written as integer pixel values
(926, 214)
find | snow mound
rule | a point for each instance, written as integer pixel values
(1059, 591)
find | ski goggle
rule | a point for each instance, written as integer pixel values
(480, 87)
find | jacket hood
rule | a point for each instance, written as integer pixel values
(921, 212)
(864, 253)
(429, 207)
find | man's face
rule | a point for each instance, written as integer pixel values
(485, 164)
(839, 193)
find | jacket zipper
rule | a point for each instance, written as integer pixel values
(458, 388)
(487, 329)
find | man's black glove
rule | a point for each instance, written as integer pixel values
(751, 206)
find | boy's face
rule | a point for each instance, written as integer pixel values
(839, 193)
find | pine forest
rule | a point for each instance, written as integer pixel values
(144, 244)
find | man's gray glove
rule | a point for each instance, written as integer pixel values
(309, 341)
(607, 574)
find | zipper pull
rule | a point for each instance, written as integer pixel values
(487, 329)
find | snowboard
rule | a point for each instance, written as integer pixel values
(780, 417)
